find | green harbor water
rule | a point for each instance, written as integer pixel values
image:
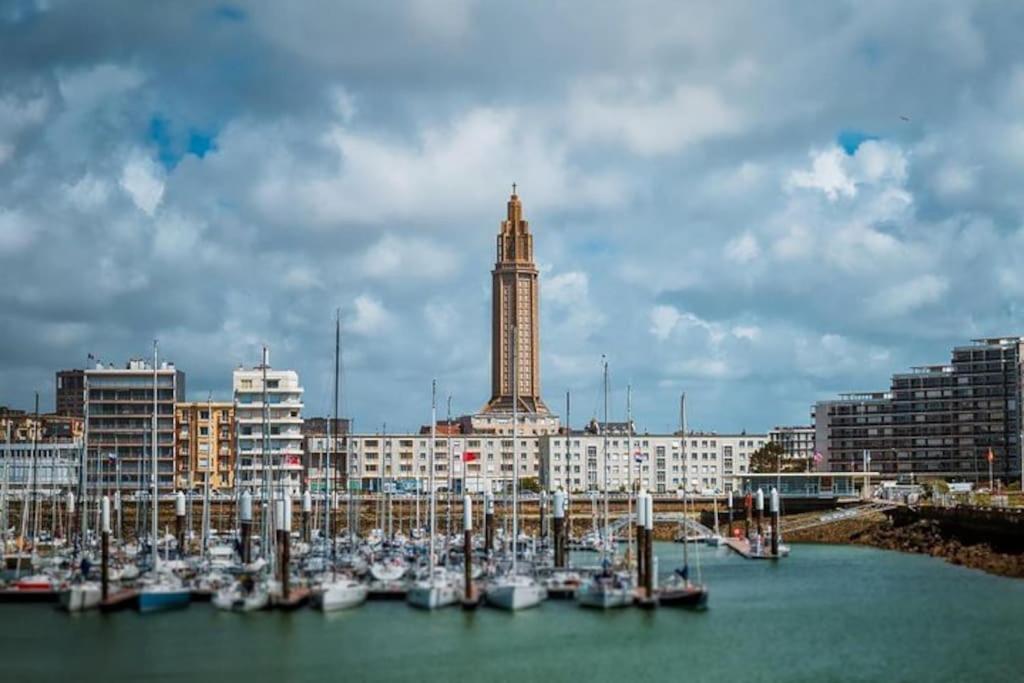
(824, 614)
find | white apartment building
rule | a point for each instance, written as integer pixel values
(576, 462)
(398, 461)
(711, 461)
(280, 448)
(797, 442)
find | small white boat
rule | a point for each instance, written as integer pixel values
(606, 591)
(242, 596)
(516, 592)
(82, 596)
(388, 570)
(338, 594)
(434, 592)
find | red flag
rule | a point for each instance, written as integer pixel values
(991, 455)
(470, 456)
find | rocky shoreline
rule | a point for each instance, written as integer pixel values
(925, 537)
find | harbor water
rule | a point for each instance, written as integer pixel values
(827, 613)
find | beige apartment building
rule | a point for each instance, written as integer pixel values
(205, 445)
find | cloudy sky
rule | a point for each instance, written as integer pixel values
(759, 204)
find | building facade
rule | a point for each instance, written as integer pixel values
(24, 427)
(574, 462)
(515, 318)
(205, 445)
(659, 463)
(401, 462)
(269, 398)
(119, 410)
(797, 441)
(935, 420)
(70, 393)
(52, 466)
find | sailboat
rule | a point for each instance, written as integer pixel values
(337, 592)
(244, 595)
(161, 590)
(514, 591)
(437, 588)
(607, 588)
(678, 591)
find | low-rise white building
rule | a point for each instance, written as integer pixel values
(661, 463)
(575, 462)
(399, 461)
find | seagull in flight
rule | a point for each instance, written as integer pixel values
(904, 117)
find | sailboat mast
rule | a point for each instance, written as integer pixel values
(433, 448)
(604, 432)
(629, 469)
(153, 462)
(267, 523)
(329, 472)
(682, 425)
(515, 447)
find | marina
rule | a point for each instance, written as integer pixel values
(814, 618)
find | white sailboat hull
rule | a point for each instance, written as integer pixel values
(81, 597)
(388, 571)
(232, 600)
(604, 597)
(341, 596)
(432, 596)
(516, 596)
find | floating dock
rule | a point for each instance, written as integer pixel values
(743, 547)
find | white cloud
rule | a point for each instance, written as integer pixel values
(742, 249)
(454, 169)
(663, 321)
(648, 120)
(908, 296)
(369, 317)
(88, 192)
(828, 174)
(142, 179)
(407, 258)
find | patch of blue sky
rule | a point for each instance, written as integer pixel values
(851, 139)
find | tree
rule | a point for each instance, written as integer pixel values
(770, 456)
(530, 484)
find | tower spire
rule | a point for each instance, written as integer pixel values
(515, 358)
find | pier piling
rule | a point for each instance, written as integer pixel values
(748, 506)
(543, 505)
(467, 547)
(179, 522)
(73, 518)
(245, 522)
(648, 545)
(760, 514)
(307, 509)
(488, 522)
(729, 503)
(105, 548)
(559, 524)
(775, 522)
(641, 526)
